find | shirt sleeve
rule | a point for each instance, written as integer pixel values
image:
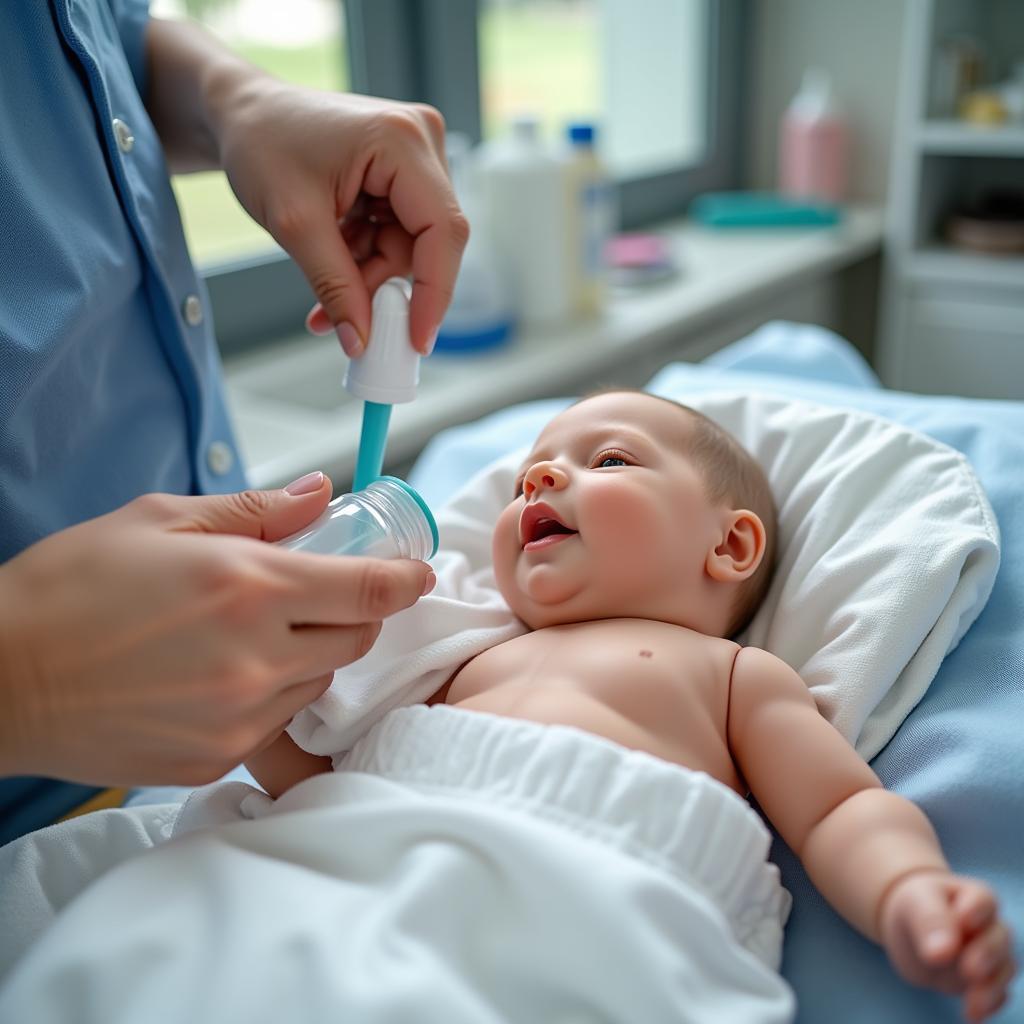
(131, 18)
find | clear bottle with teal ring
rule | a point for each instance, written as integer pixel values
(387, 519)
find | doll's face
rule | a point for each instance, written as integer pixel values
(611, 518)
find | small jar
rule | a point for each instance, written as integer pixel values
(387, 519)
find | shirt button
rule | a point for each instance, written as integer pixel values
(123, 134)
(192, 311)
(220, 458)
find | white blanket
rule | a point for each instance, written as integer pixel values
(888, 552)
(458, 868)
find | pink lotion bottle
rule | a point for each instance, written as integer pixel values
(814, 143)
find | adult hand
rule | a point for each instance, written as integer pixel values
(356, 190)
(147, 647)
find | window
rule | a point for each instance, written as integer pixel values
(635, 68)
(661, 78)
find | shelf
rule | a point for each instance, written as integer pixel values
(962, 138)
(943, 263)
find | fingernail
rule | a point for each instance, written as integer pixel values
(350, 340)
(428, 584)
(431, 342)
(935, 942)
(317, 315)
(306, 484)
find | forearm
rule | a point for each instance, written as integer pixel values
(20, 714)
(858, 851)
(284, 764)
(193, 81)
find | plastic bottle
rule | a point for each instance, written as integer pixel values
(590, 220)
(480, 314)
(814, 143)
(523, 194)
(386, 520)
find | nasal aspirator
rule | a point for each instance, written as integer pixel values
(385, 517)
(388, 372)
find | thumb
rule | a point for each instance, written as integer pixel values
(263, 515)
(324, 258)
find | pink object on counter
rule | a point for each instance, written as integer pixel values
(814, 143)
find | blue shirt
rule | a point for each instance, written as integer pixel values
(110, 382)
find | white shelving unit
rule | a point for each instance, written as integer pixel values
(946, 136)
(952, 320)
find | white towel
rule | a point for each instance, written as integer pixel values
(888, 550)
(459, 868)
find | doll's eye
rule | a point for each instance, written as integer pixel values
(607, 460)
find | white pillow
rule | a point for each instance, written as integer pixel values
(887, 552)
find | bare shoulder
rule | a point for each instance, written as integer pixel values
(759, 679)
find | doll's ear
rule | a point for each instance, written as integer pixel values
(740, 549)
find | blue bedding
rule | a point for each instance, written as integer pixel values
(960, 754)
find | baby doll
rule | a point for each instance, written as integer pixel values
(639, 540)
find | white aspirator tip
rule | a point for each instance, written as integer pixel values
(388, 371)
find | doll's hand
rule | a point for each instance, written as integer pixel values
(943, 931)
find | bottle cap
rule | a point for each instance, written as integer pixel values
(581, 133)
(388, 371)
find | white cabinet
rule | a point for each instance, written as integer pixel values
(952, 320)
(964, 340)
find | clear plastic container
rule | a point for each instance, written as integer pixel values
(522, 189)
(387, 519)
(480, 314)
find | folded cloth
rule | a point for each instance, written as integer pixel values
(888, 550)
(419, 649)
(458, 867)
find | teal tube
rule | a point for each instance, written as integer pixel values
(372, 441)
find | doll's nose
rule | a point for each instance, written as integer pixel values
(544, 475)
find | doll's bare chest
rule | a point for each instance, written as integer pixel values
(647, 685)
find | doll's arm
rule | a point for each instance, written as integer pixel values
(283, 763)
(871, 853)
(855, 839)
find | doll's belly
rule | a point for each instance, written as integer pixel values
(568, 706)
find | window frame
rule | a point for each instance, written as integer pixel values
(424, 51)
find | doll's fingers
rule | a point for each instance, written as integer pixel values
(974, 905)
(987, 954)
(983, 1000)
(932, 927)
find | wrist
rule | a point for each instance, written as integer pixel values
(194, 82)
(16, 689)
(231, 87)
(897, 883)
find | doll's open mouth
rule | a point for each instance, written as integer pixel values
(539, 526)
